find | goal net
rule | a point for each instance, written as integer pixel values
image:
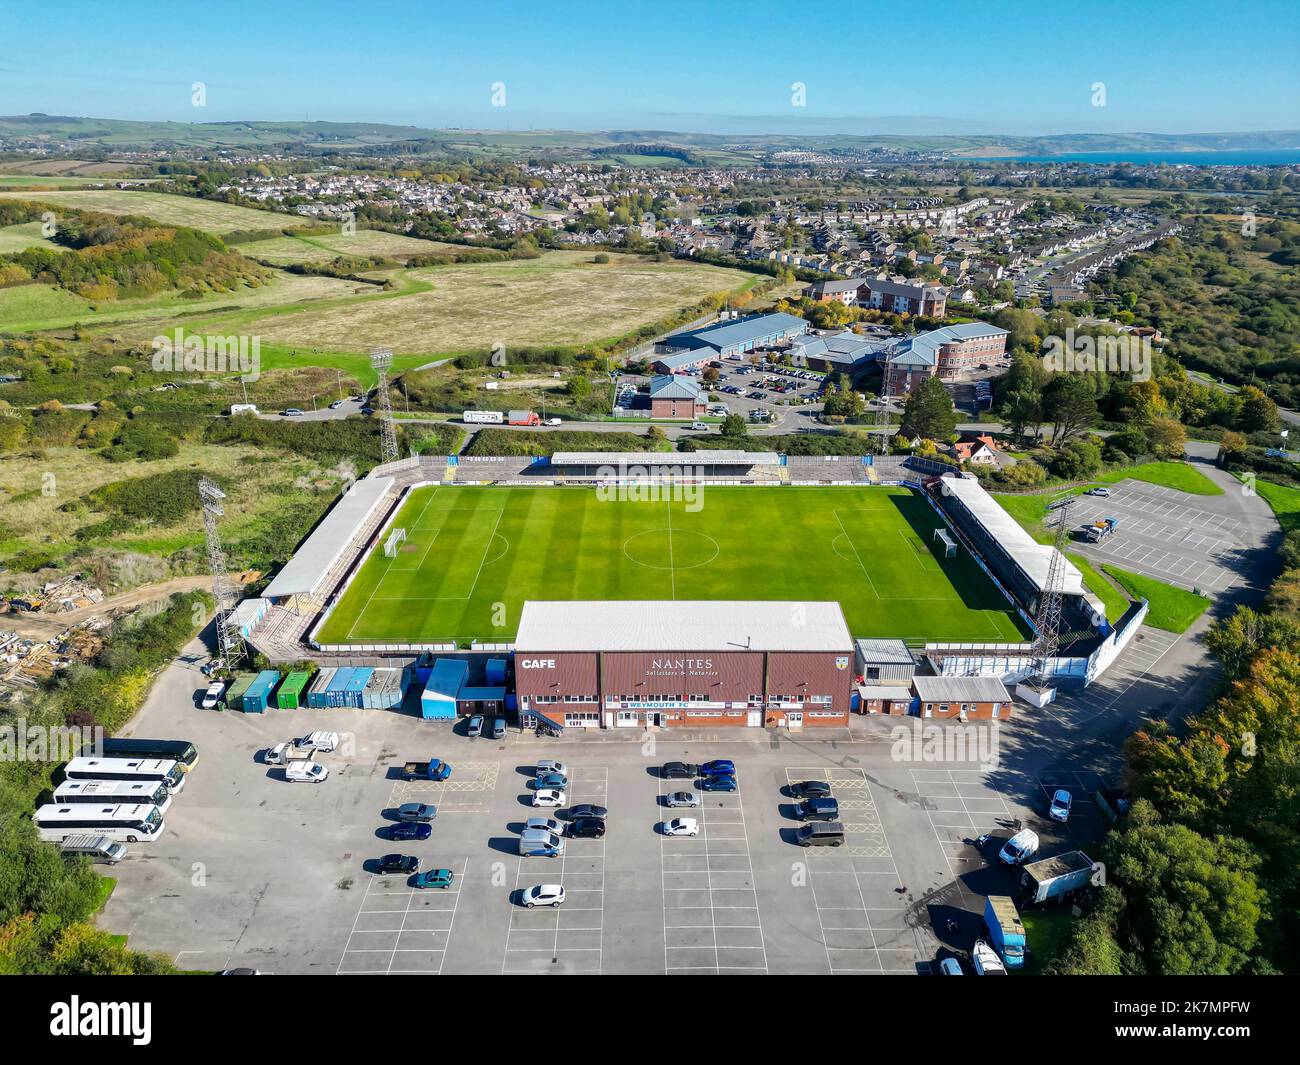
(395, 539)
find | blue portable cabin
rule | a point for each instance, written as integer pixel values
(488, 701)
(316, 697)
(353, 692)
(496, 672)
(438, 700)
(259, 692)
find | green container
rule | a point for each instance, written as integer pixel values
(235, 693)
(291, 689)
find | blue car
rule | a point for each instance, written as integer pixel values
(438, 769)
(551, 780)
(718, 783)
(719, 767)
(410, 830)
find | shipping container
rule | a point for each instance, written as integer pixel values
(336, 693)
(235, 693)
(291, 693)
(356, 686)
(316, 697)
(496, 672)
(258, 695)
(384, 692)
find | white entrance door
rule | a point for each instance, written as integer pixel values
(755, 719)
(794, 718)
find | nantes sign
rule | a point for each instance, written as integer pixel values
(681, 667)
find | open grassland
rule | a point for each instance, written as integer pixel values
(25, 308)
(167, 209)
(21, 237)
(562, 297)
(1285, 501)
(320, 248)
(471, 548)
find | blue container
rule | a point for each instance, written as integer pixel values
(336, 693)
(496, 672)
(316, 697)
(353, 694)
(258, 695)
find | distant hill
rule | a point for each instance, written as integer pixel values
(108, 133)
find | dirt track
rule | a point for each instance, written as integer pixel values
(40, 626)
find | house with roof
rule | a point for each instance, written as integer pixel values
(839, 291)
(903, 297)
(676, 396)
(979, 450)
(844, 350)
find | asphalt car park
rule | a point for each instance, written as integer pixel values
(253, 871)
(1190, 541)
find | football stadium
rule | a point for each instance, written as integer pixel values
(472, 556)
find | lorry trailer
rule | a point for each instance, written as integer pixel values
(1056, 877)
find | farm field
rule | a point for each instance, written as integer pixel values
(562, 297)
(319, 248)
(473, 555)
(169, 210)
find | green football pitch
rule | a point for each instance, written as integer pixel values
(473, 555)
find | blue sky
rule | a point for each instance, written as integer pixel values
(721, 67)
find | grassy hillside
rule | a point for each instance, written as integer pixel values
(167, 209)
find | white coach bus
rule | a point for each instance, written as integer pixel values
(115, 793)
(126, 824)
(159, 770)
(484, 417)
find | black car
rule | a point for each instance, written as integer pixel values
(410, 830)
(586, 828)
(399, 863)
(586, 810)
(811, 789)
(679, 771)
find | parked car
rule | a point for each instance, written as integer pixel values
(950, 967)
(292, 412)
(551, 780)
(548, 797)
(409, 831)
(336, 404)
(305, 772)
(682, 826)
(543, 824)
(719, 767)
(818, 810)
(1099, 491)
(398, 863)
(212, 696)
(498, 728)
(475, 726)
(681, 798)
(543, 895)
(811, 789)
(434, 878)
(416, 811)
(679, 771)
(1020, 847)
(586, 828)
(550, 765)
(286, 752)
(717, 784)
(1059, 808)
(587, 809)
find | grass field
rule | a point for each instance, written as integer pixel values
(562, 297)
(1285, 501)
(21, 237)
(320, 248)
(473, 555)
(1172, 609)
(168, 209)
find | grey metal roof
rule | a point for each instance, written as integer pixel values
(665, 458)
(895, 692)
(887, 652)
(673, 386)
(923, 349)
(741, 331)
(961, 690)
(681, 625)
(323, 547)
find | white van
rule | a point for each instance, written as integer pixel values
(305, 772)
(538, 843)
(1020, 847)
(319, 741)
(243, 408)
(96, 848)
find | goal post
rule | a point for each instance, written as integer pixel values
(395, 539)
(949, 544)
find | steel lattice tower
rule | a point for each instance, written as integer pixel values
(1048, 620)
(230, 642)
(380, 361)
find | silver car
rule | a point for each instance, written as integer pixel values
(544, 824)
(681, 798)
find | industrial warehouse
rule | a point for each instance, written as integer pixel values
(669, 659)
